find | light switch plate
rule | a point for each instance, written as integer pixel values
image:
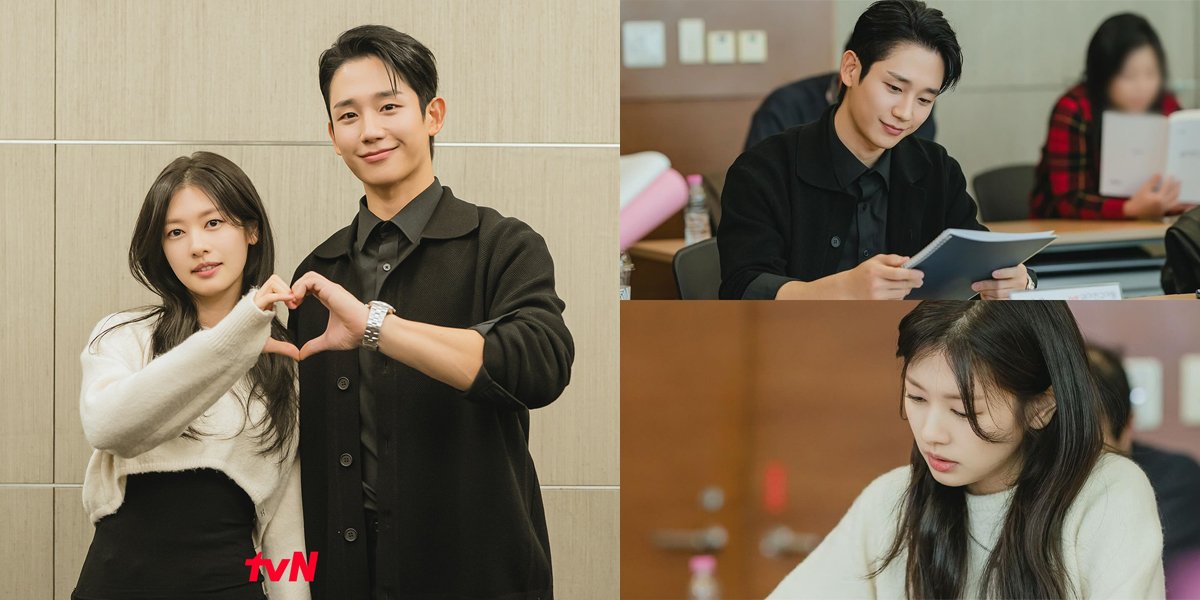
(643, 44)
(1189, 389)
(691, 41)
(722, 47)
(1145, 380)
(752, 46)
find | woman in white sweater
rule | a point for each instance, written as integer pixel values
(1009, 493)
(191, 405)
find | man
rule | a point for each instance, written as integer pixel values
(1174, 477)
(832, 210)
(414, 408)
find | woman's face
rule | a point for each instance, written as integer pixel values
(206, 251)
(955, 455)
(1138, 82)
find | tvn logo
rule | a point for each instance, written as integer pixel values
(301, 567)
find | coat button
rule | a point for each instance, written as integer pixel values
(345, 459)
(350, 535)
(835, 241)
(387, 267)
(343, 383)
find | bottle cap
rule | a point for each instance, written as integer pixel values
(695, 179)
(703, 562)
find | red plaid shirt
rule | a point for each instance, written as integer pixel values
(1068, 177)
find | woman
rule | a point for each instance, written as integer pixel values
(1009, 493)
(191, 404)
(1126, 71)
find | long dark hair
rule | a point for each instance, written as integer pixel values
(1026, 350)
(272, 378)
(1116, 38)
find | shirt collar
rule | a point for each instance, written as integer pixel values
(411, 219)
(847, 167)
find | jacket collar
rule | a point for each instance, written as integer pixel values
(910, 162)
(451, 219)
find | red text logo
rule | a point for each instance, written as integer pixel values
(301, 566)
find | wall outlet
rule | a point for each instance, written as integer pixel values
(1145, 380)
(643, 44)
(752, 46)
(722, 47)
(1189, 389)
(691, 41)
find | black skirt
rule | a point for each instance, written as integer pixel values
(177, 535)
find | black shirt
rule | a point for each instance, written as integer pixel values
(865, 187)
(868, 186)
(379, 247)
(802, 102)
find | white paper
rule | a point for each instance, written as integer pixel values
(1101, 291)
(1133, 147)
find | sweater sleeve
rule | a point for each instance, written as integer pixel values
(527, 348)
(283, 537)
(841, 565)
(128, 409)
(1119, 539)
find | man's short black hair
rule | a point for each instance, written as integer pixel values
(402, 54)
(889, 23)
(1113, 385)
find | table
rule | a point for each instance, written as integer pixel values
(1085, 252)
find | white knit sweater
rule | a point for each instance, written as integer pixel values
(134, 410)
(1112, 540)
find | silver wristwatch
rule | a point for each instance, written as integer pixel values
(378, 310)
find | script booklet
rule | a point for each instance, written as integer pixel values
(960, 257)
(1133, 147)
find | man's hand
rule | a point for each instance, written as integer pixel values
(1003, 283)
(881, 277)
(347, 315)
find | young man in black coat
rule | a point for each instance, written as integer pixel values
(435, 329)
(833, 209)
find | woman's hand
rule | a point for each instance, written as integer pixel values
(276, 290)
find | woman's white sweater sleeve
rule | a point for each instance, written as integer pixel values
(840, 566)
(283, 537)
(128, 409)
(1119, 539)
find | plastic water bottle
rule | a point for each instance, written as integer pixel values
(696, 222)
(704, 580)
(626, 272)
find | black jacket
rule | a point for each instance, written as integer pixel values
(1181, 271)
(783, 213)
(460, 506)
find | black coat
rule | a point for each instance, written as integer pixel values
(460, 505)
(782, 210)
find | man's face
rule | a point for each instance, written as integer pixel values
(381, 133)
(896, 95)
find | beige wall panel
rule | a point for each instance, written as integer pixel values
(517, 71)
(72, 536)
(27, 556)
(26, 70)
(26, 312)
(584, 530)
(1043, 43)
(984, 130)
(563, 193)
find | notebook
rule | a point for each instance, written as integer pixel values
(1133, 147)
(960, 257)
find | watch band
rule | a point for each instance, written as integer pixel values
(378, 310)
